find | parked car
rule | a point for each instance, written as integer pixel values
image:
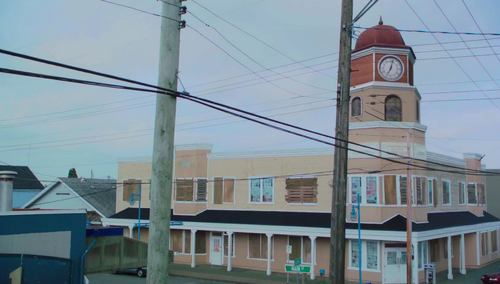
(491, 278)
(141, 271)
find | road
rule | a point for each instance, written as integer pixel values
(108, 278)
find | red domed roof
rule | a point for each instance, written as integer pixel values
(381, 35)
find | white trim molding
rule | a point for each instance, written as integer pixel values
(272, 154)
(385, 85)
(188, 147)
(474, 156)
(384, 50)
(387, 124)
(435, 157)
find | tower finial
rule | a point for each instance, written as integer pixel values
(380, 22)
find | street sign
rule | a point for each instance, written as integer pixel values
(297, 261)
(176, 223)
(289, 249)
(297, 269)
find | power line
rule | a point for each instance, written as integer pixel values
(205, 102)
(142, 11)
(427, 32)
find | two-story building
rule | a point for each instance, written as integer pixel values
(243, 209)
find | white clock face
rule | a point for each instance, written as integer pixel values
(390, 68)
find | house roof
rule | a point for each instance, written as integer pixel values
(25, 179)
(100, 193)
(437, 220)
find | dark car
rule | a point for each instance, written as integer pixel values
(491, 278)
(141, 271)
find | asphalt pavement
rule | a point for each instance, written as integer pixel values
(108, 278)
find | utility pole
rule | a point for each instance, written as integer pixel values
(409, 201)
(163, 148)
(338, 217)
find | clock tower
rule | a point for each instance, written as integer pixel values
(385, 104)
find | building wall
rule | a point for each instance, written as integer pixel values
(493, 193)
(22, 196)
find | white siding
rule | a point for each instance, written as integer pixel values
(55, 244)
(67, 200)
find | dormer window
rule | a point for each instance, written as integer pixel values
(393, 109)
(356, 107)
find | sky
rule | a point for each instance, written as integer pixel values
(54, 126)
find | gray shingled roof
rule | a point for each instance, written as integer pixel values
(100, 193)
(25, 179)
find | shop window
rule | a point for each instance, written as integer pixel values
(262, 190)
(494, 241)
(301, 247)
(369, 255)
(484, 244)
(257, 246)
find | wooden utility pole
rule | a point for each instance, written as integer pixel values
(163, 148)
(338, 218)
(409, 201)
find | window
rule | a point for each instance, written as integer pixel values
(391, 197)
(430, 189)
(480, 194)
(262, 190)
(301, 247)
(417, 104)
(257, 246)
(402, 189)
(131, 186)
(226, 245)
(471, 193)
(494, 241)
(422, 254)
(484, 243)
(434, 247)
(223, 190)
(446, 193)
(181, 241)
(184, 189)
(301, 190)
(367, 187)
(369, 255)
(420, 190)
(356, 107)
(461, 193)
(201, 190)
(393, 108)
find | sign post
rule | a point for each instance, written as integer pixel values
(296, 268)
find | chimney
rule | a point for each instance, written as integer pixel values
(6, 190)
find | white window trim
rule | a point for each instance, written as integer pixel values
(261, 236)
(223, 180)
(364, 257)
(475, 193)
(234, 245)
(361, 107)
(449, 191)
(261, 190)
(307, 204)
(301, 250)
(465, 197)
(363, 189)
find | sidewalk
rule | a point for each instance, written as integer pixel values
(238, 275)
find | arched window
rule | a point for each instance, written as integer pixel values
(393, 108)
(356, 107)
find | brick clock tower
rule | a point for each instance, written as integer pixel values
(385, 104)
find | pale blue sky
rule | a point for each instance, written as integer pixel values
(96, 35)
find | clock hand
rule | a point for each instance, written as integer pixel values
(392, 63)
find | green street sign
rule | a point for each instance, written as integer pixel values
(297, 269)
(297, 261)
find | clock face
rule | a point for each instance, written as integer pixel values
(391, 68)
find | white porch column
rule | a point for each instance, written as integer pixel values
(450, 272)
(193, 248)
(229, 251)
(269, 236)
(131, 232)
(415, 262)
(313, 255)
(462, 254)
(478, 253)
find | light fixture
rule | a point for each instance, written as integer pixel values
(353, 215)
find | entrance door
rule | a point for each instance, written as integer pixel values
(216, 250)
(395, 265)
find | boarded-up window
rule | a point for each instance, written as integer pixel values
(471, 193)
(201, 190)
(418, 189)
(484, 243)
(434, 184)
(184, 189)
(494, 241)
(301, 190)
(446, 193)
(177, 236)
(461, 193)
(356, 107)
(201, 242)
(434, 248)
(226, 245)
(480, 193)
(187, 241)
(257, 246)
(390, 190)
(402, 189)
(131, 186)
(223, 190)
